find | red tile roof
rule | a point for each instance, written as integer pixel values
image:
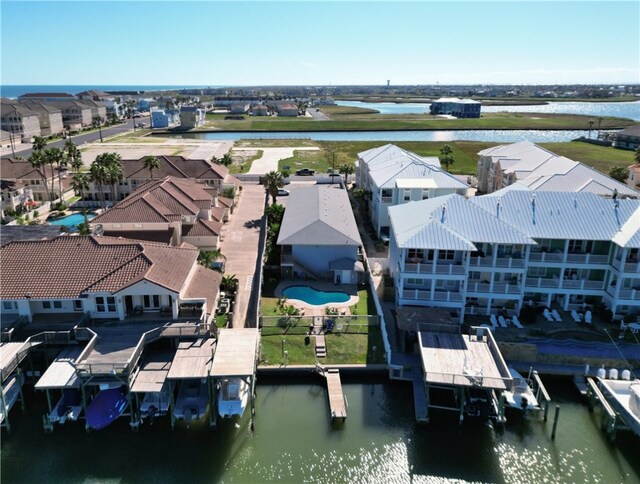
(66, 267)
(177, 166)
(202, 228)
(204, 283)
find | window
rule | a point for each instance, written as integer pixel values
(425, 193)
(77, 305)
(7, 304)
(415, 254)
(537, 271)
(151, 301)
(407, 194)
(446, 255)
(107, 304)
(57, 304)
(46, 304)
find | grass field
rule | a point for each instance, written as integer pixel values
(358, 121)
(494, 101)
(464, 153)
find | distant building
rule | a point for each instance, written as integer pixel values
(191, 117)
(634, 176)
(527, 166)
(164, 118)
(319, 236)
(239, 108)
(94, 95)
(50, 117)
(146, 104)
(259, 110)
(627, 139)
(20, 120)
(75, 114)
(460, 108)
(287, 109)
(47, 96)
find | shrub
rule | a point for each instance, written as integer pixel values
(528, 314)
(36, 214)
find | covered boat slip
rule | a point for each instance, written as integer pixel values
(236, 358)
(150, 387)
(11, 355)
(623, 396)
(468, 364)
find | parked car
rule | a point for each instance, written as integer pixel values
(305, 172)
(141, 125)
(283, 193)
(223, 307)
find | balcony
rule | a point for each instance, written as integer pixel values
(587, 259)
(581, 284)
(386, 200)
(542, 282)
(632, 267)
(630, 294)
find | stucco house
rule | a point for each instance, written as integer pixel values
(105, 278)
(319, 236)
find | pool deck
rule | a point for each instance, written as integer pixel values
(319, 309)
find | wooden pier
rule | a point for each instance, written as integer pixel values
(337, 400)
(609, 417)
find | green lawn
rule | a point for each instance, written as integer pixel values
(374, 121)
(600, 157)
(342, 348)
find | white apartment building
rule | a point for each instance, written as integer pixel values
(536, 169)
(394, 176)
(489, 253)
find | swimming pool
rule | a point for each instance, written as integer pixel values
(315, 297)
(71, 221)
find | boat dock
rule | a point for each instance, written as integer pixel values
(337, 400)
(468, 365)
(237, 357)
(11, 378)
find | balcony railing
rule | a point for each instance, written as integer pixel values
(546, 257)
(420, 268)
(542, 282)
(587, 259)
(632, 267)
(421, 295)
(498, 288)
(582, 284)
(386, 199)
(630, 294)
(563, 284)
(500, 262)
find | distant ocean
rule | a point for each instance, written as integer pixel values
(13, 91)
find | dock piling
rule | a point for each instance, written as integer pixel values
(555, 422)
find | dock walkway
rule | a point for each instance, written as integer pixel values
(337, 400)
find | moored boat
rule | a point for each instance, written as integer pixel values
(106, 407)
(520, 396)
(233, 396)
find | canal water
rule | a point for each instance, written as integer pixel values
(500, 136)
(629, 110)
(293, 442)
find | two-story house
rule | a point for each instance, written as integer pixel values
(19, 120)
(171, 210)
(50, 117)
(105, 278)
(24, 183)
(491, 253)
(393, 176)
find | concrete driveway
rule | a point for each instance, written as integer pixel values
(240, 240)
(271, 157)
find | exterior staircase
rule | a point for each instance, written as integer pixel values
(298, 265)
(321, 346)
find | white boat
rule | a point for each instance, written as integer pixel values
(624, 397)
(68, 407)
(156, 404)
(232, 397)
(520, 396)
(193, 400)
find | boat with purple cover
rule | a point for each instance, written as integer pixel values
(107, 406)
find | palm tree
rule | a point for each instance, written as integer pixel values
(114, 172)
(151, 163)
(74, 155)
(80, 185)
(208, 257)
(226, 160)
(39, 143)
(600, 118)
(97, 123)
(98, 175)
(446, 156)
(346, 170)
(36, 160)
(272, 182)
(55, 156)
(590, 123)
(229, 283)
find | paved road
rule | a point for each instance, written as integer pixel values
(240, 240)
(81, 139)
(318, 115)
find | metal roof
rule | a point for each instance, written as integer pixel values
(386, 177)
(559, 215)
(449, 222)
(629, 235)
(390, 154)
(319, 215)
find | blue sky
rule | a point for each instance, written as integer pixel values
(260, 43)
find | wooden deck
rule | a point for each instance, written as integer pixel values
(11, 355)
(116, 344)
(193, 359)
(456, 359)
(62, 371)
(337, 401)
(235, 353)
(153, 373)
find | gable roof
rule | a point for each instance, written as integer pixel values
(165, 200)
(389, 175)
(66, 267)
(449, 222)
(177, 166)
(390, 154)
(319, 215)
(13, 169)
